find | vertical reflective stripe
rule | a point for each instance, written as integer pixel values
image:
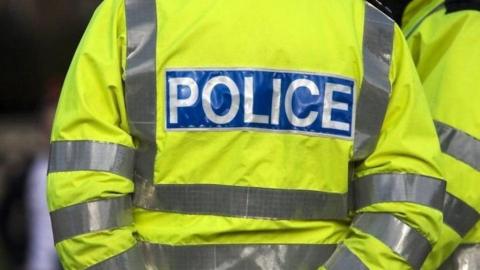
(91, 156)
(131, 259)
(401, 238)
(398, 187)
(459, 215)
(90, 217)
(344, 259)
(459, 144)
(236, 257)
(376, 88)
(465, 257)
(140, 81)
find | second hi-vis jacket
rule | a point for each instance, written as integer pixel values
(444, 37)
(222, 135)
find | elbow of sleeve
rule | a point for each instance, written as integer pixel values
(380, 241)
(400, 213)
(95, 233)
(90, 185)
(109, 249)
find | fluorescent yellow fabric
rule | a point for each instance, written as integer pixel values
(265, 40)
(89, 109)
(416, 11)
(89, 249)
(384, 258)
(283, 35)
(412, 152)
(446, 51)
(200, 229)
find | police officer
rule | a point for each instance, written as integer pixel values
(223, 134)
(444, 37)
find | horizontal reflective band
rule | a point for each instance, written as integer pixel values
(248, 202)
(131, 259)
(344, 259)
(458, 215)
(375, 94)
(92, 216)
(465, 257)
(68, 156)
(398, 187)
(459, 144)
(401, 238)
(236, 257)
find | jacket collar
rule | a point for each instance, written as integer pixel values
(416, 11)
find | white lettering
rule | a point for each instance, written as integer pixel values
(276, 95)
(294, 119)
(249, 116)
(207, 102)
(175, 103)
(329, 104)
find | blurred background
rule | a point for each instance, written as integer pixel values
(38, 40)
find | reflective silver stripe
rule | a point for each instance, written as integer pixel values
(91, 156)
(245, 202)
(344, 259)
(141, 81)
(465, 257)
(401, 238)
(131, 259)
(459, 215)
(91, 216)
(398, 187)
(376, 88)
(459, 144)
(236, 257)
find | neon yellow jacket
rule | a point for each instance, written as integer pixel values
(445, 44)
(219, 135)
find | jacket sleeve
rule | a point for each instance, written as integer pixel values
(398, 188)
(91, 160)
(446, 61)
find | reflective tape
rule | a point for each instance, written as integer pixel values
(131, 259)
(398, 187)
(236, 257)
(376, 88)
(459, 215)
(465, 257)
(141, 81)
(459, 145)
(344, 259)
(247, 202)
(90, 217)
(401, 238)
(66, 156)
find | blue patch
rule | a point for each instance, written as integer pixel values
(282, 101)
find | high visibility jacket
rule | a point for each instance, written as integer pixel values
(222, 134)
(444, 38)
